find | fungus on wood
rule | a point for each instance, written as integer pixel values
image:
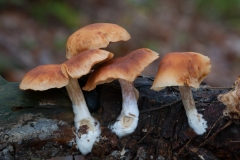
(125, 69)
(82, 53)
(56, 76)
(185, 70)
(87, 128)
(162, 130)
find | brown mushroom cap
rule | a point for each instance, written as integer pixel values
(44, 77)
(179, 68)
(95, 36)
(82, 63)
(127, 68)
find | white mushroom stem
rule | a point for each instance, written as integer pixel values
(195, 120)
(87, 128)
(127, 121)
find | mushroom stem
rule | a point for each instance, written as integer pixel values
(77, 97)
(195, 120)
(87, 128)
(127, 121)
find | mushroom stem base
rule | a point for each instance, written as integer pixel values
(127, 121)
(87, 133)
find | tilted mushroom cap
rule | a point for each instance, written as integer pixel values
(82, 63)
(127, 68)
(44, 77)
(179, 68)
(95, 36)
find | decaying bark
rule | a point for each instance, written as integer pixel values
(40, 124)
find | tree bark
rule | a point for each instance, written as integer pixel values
(39, 124)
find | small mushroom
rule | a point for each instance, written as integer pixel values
(57, 76)
(185, 70)
(232, 101)
(87, 128)
(125, 69)
(95, 36)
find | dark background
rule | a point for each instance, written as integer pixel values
(35, 32)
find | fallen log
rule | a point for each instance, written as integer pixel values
(40, 124)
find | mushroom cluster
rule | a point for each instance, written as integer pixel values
(56, 76)
(83, 53)
(84, 56)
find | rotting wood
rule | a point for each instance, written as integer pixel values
(39, 124)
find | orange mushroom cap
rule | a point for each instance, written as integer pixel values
(44, 77)
(179, 68)
(82, 63)
(95, 36)
(127, 68)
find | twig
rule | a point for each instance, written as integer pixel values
(220, 88)
(235, 141)
(166, 105)
(184, 147)
(141, 141)
(207, 140)
(143, 137)
(213, 126)
(136, 157)
(146, 135)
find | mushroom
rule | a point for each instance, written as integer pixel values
(95, 36)
(87, 128)
(185, 70)
(232, 101)
(92, 36)
(125, 69)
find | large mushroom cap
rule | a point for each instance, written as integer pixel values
(127, 68)
(44, 77)
(82, 63)
(179, 68)
(95, 36)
